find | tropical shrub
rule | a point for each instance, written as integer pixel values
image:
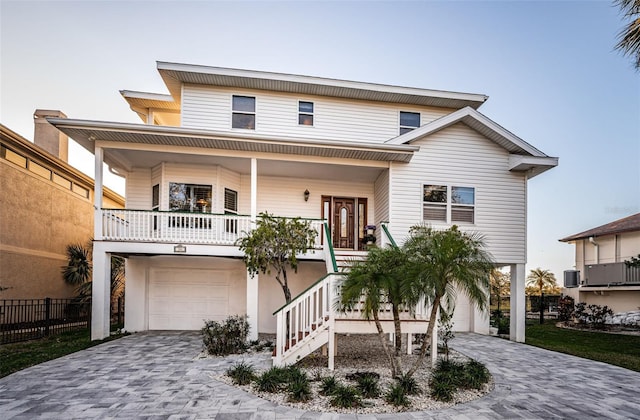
(241, 373)
(449, 376)
(272, 380)
(345, 396)
(368, 386)
(566, 307)
(227, 337)
(409, 384)
(475, 375)
(327, 385)
(397, 396)
(594, 316)
(298, 388)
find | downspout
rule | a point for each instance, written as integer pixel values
(595, 244)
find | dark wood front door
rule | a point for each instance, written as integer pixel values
(343, 222)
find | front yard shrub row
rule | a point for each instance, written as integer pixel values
(447, 378)
(227, 337)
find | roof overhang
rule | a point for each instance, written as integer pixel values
(624, 225)
(175, 74)
(87, 132)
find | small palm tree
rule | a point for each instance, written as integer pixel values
(442, 262)
(375, 283)
(78, 268)
(629, 36)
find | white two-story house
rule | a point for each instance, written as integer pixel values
(227, 144)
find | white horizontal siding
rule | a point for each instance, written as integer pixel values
(227, 179)
(138, 189)
(460, 156)
(277, 114)
(285, 196)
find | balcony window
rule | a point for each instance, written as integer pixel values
(189, 197)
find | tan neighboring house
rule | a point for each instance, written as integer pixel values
(601, 276)
(226, 144)
(45, 205)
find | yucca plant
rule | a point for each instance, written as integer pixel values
(241, 373)
(397, 396)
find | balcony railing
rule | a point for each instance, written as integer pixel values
(178, 227)
(611, 274)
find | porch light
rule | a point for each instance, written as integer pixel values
(306, 195)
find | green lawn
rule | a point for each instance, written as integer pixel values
(615, 349)
(18, 356)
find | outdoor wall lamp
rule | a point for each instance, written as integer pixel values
(306, 195)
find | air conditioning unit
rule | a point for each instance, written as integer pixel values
(571, 278)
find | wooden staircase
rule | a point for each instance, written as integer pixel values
(310, 321)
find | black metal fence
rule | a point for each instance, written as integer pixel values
(28, 319)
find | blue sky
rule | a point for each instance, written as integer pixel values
(549, 68)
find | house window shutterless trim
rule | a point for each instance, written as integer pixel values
(305, 113)
(243, 113)
(409, 121)
(443, 203)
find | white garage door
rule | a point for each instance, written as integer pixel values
(182, 299)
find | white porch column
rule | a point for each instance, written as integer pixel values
(252, 282)
(97, 194)
(101, 292)
(518, 303)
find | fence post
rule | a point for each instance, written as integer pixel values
(47, 319)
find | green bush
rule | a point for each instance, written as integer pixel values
(397, 396)
(328, 385)
(227, 337)
(272, 380)
(368, 386)
(241, 373)
(298, 388)
(566, 306)
(475, 375)
(409, 384)
(345, 396)
(442, 386)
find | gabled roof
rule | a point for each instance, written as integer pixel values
(86, 132)
(524, 157)
(175, 74)
(626, 224)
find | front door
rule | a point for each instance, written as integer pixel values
(343, 222)
(347, 218)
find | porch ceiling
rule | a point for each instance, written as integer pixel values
(266, 167)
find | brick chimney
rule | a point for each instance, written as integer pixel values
(48, 137)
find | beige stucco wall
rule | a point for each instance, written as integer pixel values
(39, 219)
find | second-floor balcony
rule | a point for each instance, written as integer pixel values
(611, 274)
(177, 227)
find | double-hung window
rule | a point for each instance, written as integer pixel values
(448, 204)
(243, 112)
(305, 113)
(189, 197)
(409, 121)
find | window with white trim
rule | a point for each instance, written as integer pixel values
(444, 203)
(230, 207)
(189, 197)
(243, 112)
(409, 121)
(305, 113)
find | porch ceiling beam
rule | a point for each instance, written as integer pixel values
(109, 145)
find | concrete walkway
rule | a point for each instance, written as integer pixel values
(157, 376)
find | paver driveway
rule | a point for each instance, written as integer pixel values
(157, 375)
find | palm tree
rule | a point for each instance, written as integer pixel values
(78, 268)
(500, 283)
(441, 263)
(374, 283)
(541, 278)
(629, 36)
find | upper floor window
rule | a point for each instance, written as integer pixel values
(305, 113)
(189, 197)
(409, 121)
(244, 112)
(444, 203)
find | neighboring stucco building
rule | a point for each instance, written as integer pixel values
(45, 205)
(226, 144)
(601, 276)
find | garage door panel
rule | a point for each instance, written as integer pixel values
(181, 299)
